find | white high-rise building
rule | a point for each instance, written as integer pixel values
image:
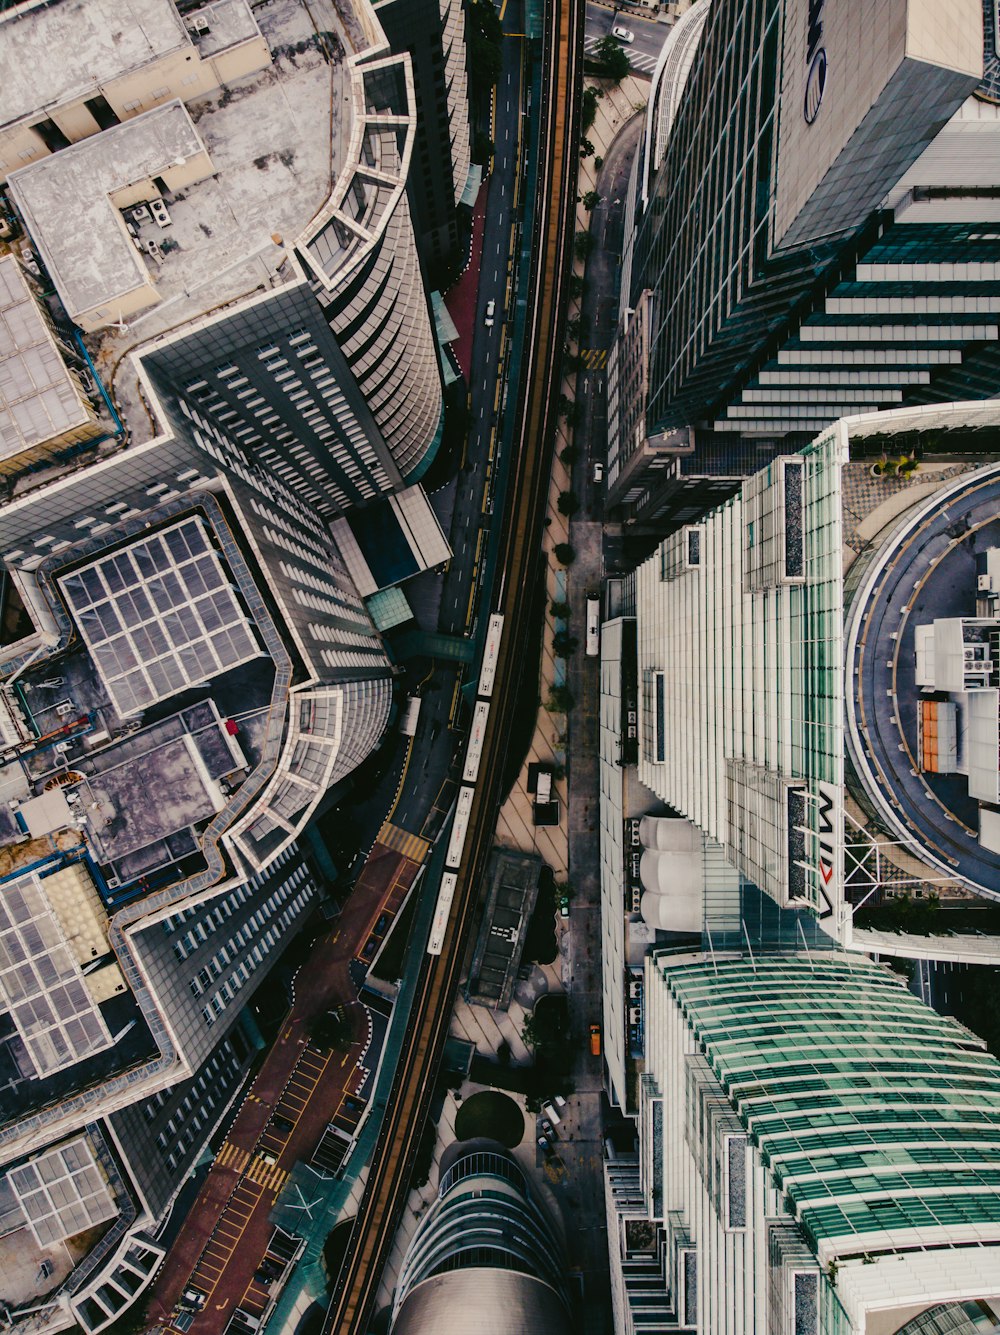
(485, 1253)
(786, 676)
(216, 207)
(819, 1154)
(200, 673)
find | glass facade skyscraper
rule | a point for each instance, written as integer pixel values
(485, 1253)
(818, 1151)
(779, 688)
(793, 264)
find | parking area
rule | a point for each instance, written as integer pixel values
(302, 1109)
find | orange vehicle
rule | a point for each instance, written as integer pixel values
(595, 1039)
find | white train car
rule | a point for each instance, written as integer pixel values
(470, 774)
(459, 828)
(440, 924)
(487, 675)
(474, 750)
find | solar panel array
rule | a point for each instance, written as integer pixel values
(41, 982)
(159, 616)
(62, 1192)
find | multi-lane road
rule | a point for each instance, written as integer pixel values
(535, 412)
(648, 35)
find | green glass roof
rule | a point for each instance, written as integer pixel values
(874, 1113)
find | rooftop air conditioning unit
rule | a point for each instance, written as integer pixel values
(159, 211)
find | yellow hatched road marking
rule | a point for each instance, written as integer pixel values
(231, 1156)
(402, 841)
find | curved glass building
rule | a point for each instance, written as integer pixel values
(836, 726)
(484, 1253)
(819, 1151)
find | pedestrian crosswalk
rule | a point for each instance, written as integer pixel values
(231, 1156)
(639, 60)
(268, 1176)
(258, 1170)
(594, 359)
(401, 841)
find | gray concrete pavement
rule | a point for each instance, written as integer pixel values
(579, 1188)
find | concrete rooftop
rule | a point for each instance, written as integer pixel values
(276, 139)
(91, 41)
(86, 248)
(37, 397)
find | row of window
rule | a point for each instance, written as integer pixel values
(212, 1087)
(222, 910)
(211, 1073)
(272, 937)
(245, 934)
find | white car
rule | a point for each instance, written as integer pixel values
(598, 472)
(623, 34)
(490, 311)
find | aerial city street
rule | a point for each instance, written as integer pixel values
(499, 667)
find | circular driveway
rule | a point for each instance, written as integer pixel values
(927, 571)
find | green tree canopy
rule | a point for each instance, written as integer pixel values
(583, 244)
(612, 59)
(589, 109)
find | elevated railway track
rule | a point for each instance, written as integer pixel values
(535, 408)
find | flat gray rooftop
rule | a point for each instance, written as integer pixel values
(65, 202)
(38, 399)
(513, 889)
(277, 140)
(91, 41)
(229, 22)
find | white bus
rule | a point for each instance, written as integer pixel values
(593, 627)
(411, 712)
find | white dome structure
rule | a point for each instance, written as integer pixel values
(671, 873)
